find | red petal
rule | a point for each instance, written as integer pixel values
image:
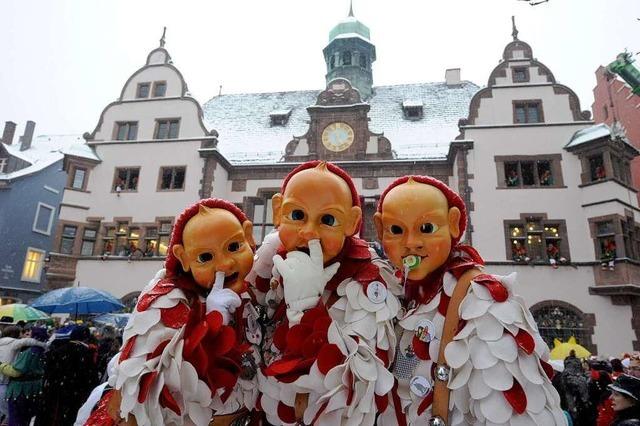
(158, 350)
(516, 397)
(167, 401)
(498, 291)
(285, 413)
(194, 336)
(525, 341)
(282, 366)
(312, 344)
(367, 273)
(221, 378)
(329, 357)
(280, 337)
(421, 349)
(322, 325)
(127, 349)
(426, 402)
(224, 341)
(444, 304)
(263, 284)
(382, 401)
(296, 337)
(145, 385)
(313, 314)
(383, 355)
(303, 367)
(548, 369)
(175, 317)
(161, 288)
(214, 321)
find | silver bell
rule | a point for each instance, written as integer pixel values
(442, 373)
(436, 421)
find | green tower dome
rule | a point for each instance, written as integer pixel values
(348, 27)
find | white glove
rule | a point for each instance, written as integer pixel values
(304, 277)
(222, 299)
(263, 259)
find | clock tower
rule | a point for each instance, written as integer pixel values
(339, 129)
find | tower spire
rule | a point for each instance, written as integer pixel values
(162, 41)
(351, 8)
(514, 32)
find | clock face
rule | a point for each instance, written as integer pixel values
(337, 136)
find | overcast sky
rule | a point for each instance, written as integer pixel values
(63, 61)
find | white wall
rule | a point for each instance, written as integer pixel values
(151, 74)
(118, 277)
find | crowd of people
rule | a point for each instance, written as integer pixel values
(597, 392)
(48, 373)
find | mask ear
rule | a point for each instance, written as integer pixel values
(353, 220)
(248, 233)
(377, 221)
(454, 222)
(179, 253)
(276, 207)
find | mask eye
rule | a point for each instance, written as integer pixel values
(329, 220)
(233, 247)
(396, 230)
(296, 215)
(204, 257)
(428, 228)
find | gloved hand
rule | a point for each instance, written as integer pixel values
(263, 259)
(222, 299)
(304, 277)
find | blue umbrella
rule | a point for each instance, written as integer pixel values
(117, 320)
(78, 301)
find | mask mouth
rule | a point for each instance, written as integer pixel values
(231, 278)
(412, 261)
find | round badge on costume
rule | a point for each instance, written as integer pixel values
(420, 386)
(425, 330)
(376, 292)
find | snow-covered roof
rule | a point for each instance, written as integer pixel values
(246, 134)
(595, 132)
(44, 151)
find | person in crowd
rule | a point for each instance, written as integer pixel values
(599, 392)
(108, 345)
(573, 387)
(616, 367)
(10, 345)
(625, 394)
(25, 385)
(70, 374)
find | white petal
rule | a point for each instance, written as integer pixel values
(507, 312)
(352, 290)
(141, 322)
(496, 408)
(481, 291)
(456, 353)
(384, 382)
(498, 377)
(434, 348)
(505, 348)
(522, 420)
(489, 328)
(545, 418)
(449, 283)
(472, 307)
(352, 315)
(480, 354)
(364, 369)
(530, 368)
(438, 322)
(536, 398)
(466, 331)
(461, 376)
(478, 389)
(461, 399)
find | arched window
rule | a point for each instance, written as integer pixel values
(346, 58)
(561, 320)
(332, 62)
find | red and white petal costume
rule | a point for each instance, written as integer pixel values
(498, 362)
(178, 365)
(339, 354)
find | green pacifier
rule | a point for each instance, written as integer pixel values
(412, 261)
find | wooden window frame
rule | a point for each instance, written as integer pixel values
(51, 216)
(86, 238)
(556, 170)
(515, 70)
(39, 267)
(66, 238)
(618, 235)
(155, 85)
(168, 120)
(262, 198)
(542, 217)
(73, 178)
(528, 103)
(171, 189)
(128, 124)
(143, 83)
(115, 177)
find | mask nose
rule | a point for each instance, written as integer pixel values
(309, 232)
(414, 242)
(225, 265)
